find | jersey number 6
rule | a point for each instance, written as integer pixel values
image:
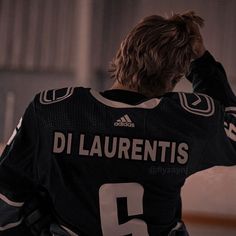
(108, 195)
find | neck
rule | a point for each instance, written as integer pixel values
(118, 85)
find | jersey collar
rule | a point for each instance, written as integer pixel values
(147, 104)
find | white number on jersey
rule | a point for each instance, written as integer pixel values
(108, 195)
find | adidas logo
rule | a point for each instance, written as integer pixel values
(124, 121)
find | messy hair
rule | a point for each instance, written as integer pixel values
(156, 50)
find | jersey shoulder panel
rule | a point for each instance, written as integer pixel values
(60, 107)
(58, 97)
(48, 97)
(196, 104)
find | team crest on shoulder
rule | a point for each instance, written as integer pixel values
(198, 104)
(56, 95)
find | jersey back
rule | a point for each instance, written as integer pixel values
(113, 168)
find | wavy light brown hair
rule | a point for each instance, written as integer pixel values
(156, 51)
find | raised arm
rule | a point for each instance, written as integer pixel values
(208, 77)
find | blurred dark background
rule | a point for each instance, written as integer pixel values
(57, 43)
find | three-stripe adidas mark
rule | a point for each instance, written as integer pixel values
(124, 121)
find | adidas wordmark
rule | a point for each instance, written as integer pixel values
(124, 121)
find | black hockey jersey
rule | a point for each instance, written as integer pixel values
(111, 167)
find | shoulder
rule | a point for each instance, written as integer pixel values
(53, 107)
(53, 103)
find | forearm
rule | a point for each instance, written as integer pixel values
(209, 77)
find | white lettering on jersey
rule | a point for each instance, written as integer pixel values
(96, 147)
(111, 153)
(122, 148)
(62, 142)
(202, 106)
(137, 149)
(182, 158)
(82, 151)
(164, 145)
(150, 151)
(230, 130)
(51, 96)
(173, 148)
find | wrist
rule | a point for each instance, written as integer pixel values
(199, 52)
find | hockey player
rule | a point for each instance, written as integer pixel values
(84, 163)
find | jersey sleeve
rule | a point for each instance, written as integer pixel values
(18, 174)
(220, 150)
(208, 77)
